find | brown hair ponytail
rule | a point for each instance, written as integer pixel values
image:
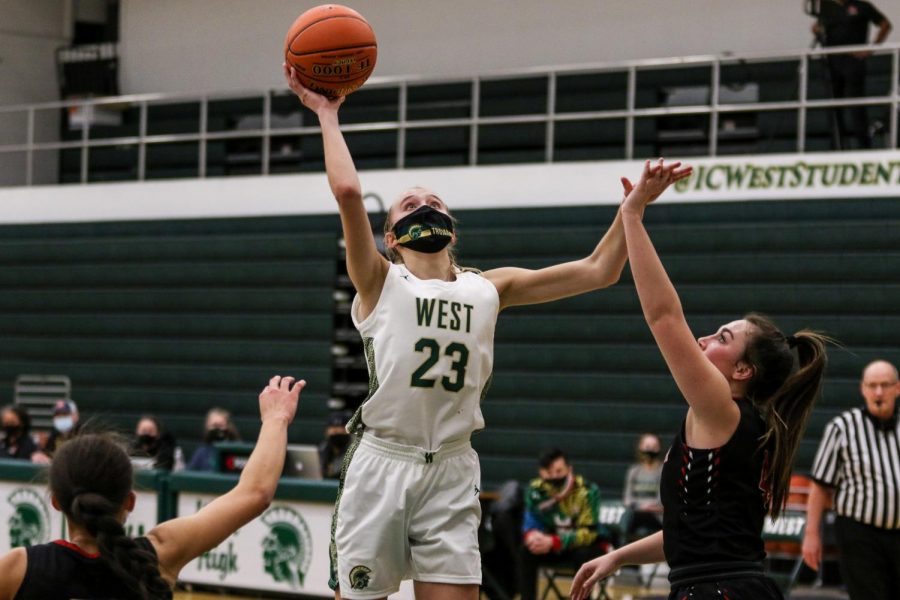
(91, 477)
(784, 395)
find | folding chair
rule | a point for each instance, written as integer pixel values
(783, 538)
(550, 574)
(615, 518)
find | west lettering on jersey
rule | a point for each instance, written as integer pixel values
(455, 316)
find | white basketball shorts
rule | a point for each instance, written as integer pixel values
(405, 513)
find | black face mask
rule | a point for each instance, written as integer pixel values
(558, 482)
(649, 455)
(12, 431)
(339, 441)
(216, 435)
(147, 441)
(424, 230)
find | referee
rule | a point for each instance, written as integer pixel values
(857, 471)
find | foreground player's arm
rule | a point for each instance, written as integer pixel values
(643, 551)
(702, 384)
(180, 540)
(13, 566)
(366, 267)
(602, 268)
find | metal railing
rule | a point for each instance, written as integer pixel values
(714, 109)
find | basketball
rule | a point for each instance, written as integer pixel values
(332, 48)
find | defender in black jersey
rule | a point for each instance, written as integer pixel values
(91, 483)
(731, 462)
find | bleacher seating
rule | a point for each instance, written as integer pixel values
(585, 374)
(175, 317)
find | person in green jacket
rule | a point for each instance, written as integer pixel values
(561, 523)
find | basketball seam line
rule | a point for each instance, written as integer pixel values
(342, 49)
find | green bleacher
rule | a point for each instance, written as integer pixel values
(173, 317)
(584, 373)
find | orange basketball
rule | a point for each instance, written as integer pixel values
(332, 48)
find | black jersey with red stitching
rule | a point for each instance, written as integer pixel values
(715, 500)
(61, 571)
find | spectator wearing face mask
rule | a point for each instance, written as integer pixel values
(65, 425)
(154, 443)
(16, 439)
(333, 448)
(219, 428)
(561, 521)
(642, 487)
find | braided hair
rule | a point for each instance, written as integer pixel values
(91, 477)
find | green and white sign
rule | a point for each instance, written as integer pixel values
(285, 550)
(28, 518)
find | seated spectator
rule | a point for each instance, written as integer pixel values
(218, 428)
(155, 444)
(16, 439)
(335, 444)
(561, 523)
(642, 487)
(65, 425)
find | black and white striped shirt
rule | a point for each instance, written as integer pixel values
(862, 460)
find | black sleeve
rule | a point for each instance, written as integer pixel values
(873, 15)
(27, 447)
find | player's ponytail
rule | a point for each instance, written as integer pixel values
(91, 477)
(785, 393)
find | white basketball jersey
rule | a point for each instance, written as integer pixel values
(429, 347)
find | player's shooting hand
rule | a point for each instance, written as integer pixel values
(310, 99)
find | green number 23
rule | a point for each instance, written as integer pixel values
(458, 351)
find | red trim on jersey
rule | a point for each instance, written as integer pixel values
(77, 549)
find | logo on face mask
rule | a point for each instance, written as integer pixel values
(424, 230)
(29, 524)
(287, 549)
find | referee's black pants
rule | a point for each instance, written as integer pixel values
(869, 559)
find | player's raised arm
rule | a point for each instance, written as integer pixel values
(365, 265)
(600, 269)
(180, 540)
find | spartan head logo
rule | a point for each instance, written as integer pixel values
(359, 577)
(287, 548)
(30, 522)
(415, 232)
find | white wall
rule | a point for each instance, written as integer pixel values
(30, 33)
(871, 174)
(183, 45)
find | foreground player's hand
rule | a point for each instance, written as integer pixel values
(310, 99)
(278, 400)
(653, 182)
(590, 573)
